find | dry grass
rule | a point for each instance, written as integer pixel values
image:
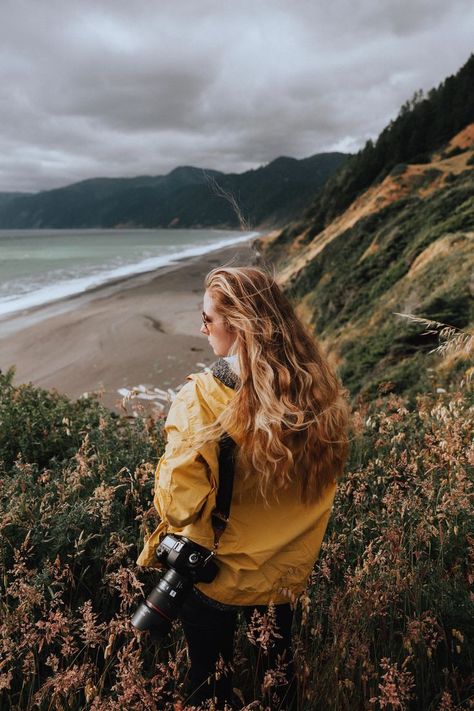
(386, 622)
(453, 341)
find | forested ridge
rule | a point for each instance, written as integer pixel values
(423, 124)
(392, 232)
(187, 197)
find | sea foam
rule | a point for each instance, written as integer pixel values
(51, 292)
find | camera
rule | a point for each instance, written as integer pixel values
(187, 563)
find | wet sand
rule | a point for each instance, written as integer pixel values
(141, 333)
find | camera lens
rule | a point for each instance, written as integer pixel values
(151, 619)
(162, 606)
(187, 564)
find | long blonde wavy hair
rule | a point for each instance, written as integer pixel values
(290, 412)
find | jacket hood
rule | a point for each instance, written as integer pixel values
(223, 371)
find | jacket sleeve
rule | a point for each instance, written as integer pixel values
(185, 477)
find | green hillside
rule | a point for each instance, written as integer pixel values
(405, 244)
(353, 290)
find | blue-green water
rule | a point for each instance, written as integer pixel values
(42, 266)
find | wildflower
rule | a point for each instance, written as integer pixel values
(446, 703)
(263, 629)
(396, 687)
(92, 632)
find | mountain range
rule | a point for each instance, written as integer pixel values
(187, 197)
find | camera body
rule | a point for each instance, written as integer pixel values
(188, 563)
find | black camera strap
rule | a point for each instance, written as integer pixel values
(223, 372)
(220, 515)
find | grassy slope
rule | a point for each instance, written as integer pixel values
(405, 245)
(387, 618)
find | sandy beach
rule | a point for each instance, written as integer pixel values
(141, 333)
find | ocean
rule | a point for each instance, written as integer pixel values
(42, 266)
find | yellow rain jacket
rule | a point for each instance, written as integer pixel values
(265, 553)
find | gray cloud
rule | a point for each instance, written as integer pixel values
(114, 88)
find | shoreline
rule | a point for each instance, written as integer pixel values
(139, 332)
(119, 280)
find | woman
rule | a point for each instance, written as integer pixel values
(273, 391)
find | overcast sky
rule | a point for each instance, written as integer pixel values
(112, 88)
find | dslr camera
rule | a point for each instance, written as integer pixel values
(187, 563)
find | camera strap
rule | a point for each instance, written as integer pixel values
(223, 372)
(220, 515)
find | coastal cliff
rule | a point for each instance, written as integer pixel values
(402, 244)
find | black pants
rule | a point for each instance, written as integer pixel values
(209, 634)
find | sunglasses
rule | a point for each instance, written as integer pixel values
(205, 319)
